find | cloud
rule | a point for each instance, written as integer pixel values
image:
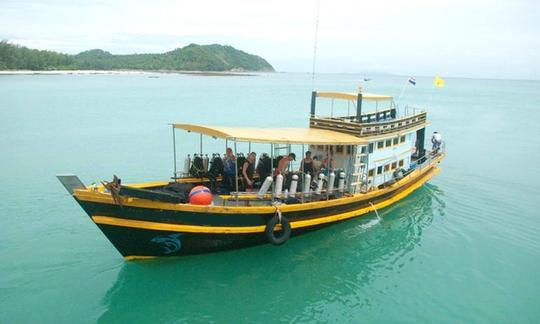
(470, 38)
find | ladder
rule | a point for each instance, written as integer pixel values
(360, 171)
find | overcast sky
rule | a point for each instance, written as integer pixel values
(469, 38)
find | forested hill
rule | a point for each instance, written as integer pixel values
(189, 58)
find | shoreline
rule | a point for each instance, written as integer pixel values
(127, 72)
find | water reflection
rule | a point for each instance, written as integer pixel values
(311, 278)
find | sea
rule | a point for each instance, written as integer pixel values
(464, 248)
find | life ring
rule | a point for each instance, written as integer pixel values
(285, 230)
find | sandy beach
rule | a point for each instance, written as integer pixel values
(126, 72)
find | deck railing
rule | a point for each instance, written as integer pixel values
(381, 127)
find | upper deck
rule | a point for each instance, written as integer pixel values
(365, 122)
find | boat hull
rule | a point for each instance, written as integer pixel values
(144, 229)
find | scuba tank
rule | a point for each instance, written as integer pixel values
(279, 185)
(341, 182)
(307, 184)
(205, 162)
(265, 186)
(294, 185)
(187, 165)
(320, 184)
(331, 180)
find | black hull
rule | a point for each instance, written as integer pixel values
(140, 243)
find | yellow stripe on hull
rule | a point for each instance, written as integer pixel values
(114, 221)
(139, 257)
(105, 198)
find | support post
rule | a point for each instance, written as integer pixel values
(272, 168)
(235, 172)
(303, 173)
(359, 108)
(200, 144)
(174, 151)
(313, 102)
(420, 139)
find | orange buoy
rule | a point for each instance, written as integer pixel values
(200, 195)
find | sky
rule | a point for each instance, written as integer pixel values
(454, 38)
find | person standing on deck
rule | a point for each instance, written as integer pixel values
(317, 164)
(229, 164)
(247, 171)
(307, 164)
(283, 165)
(436, 140)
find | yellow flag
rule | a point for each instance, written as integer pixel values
(438, 82)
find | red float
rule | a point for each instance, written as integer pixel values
(200, 195)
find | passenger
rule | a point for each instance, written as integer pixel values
(436, 140)
(229, 164)
(247, 171)
(316, 165)
(328, 164)
(283, 164)
(307, 164)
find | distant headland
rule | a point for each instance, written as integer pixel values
(216, 59)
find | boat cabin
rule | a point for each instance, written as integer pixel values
(371, 146)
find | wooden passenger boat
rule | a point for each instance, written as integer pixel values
(374, 158)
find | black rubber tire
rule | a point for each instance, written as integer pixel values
(285, 230)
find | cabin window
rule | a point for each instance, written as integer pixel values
(339, 149)
(349, 149)
(396, 141)
(380, 144)
(388, 142)
(401, 163)
(370, 147)
(363, 149)
(387, 168)
(320, 147)
(402, 139)
(394, 165)
(379, 169)
(371, 172)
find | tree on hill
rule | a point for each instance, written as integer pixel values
(193, 57)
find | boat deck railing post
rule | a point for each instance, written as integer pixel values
(272, 169)
(303, 174)
(236, 171)
(174, 152)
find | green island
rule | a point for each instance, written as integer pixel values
(193, 57)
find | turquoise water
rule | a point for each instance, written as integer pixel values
(462, 249)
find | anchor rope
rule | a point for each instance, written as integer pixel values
(375, 209)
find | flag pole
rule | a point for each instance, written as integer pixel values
(403, 89)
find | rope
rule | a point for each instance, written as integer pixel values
(278, 211)
(114, 189)
(375, 209)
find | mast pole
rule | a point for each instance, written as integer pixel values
(315, 45)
